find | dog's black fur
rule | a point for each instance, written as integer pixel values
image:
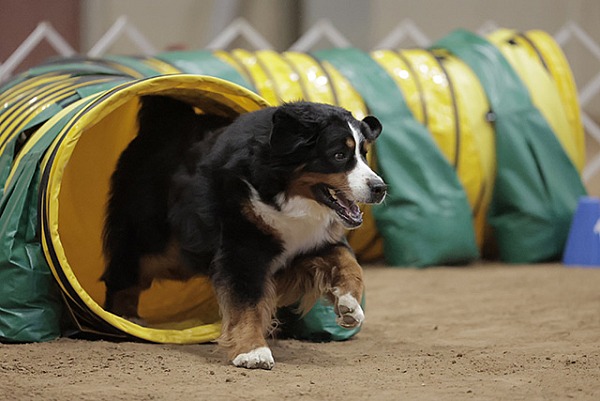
(196, 194)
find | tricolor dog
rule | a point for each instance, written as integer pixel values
(260, 205)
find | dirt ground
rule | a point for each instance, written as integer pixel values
(484, 332)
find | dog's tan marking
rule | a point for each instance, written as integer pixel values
(305, 281)
(309, 278)
(125, 302)
(350, 142)
(165, 265)
(302, 183)
(347, 273)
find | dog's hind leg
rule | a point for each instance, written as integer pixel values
(124, 303)
(123, 283)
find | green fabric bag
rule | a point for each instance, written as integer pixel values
(426, 218)
(537, 187)
(318, 325)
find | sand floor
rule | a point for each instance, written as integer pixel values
(484, 332)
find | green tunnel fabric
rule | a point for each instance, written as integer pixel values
(426, 219)
(137, 64)
(537, 187)
(64, 67)
(203, 62)
(30, 305)
(30, 302)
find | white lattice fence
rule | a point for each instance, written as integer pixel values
(405, 31)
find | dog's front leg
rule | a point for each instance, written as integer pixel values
(247, 305)
(243, 333)
(346, 287)
(334, 273)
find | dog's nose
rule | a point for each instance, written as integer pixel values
(378, 190)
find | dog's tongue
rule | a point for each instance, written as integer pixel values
(349, 211)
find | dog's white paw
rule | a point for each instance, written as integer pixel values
(259, 358)
(350, 313)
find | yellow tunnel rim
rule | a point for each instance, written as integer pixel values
(57, 160)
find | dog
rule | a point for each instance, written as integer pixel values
(259, 204)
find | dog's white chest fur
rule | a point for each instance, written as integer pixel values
(301, 223)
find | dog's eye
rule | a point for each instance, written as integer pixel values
(340, 156)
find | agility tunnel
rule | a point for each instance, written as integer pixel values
(64, 126)
(54, 200)
(442, 112)
(482, 147)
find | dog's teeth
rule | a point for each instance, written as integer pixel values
(332, 193)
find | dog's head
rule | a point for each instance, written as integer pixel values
(326, 149)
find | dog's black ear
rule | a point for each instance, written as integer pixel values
(291, 132)
(374, 127)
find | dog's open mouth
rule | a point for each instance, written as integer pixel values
(334, 198)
